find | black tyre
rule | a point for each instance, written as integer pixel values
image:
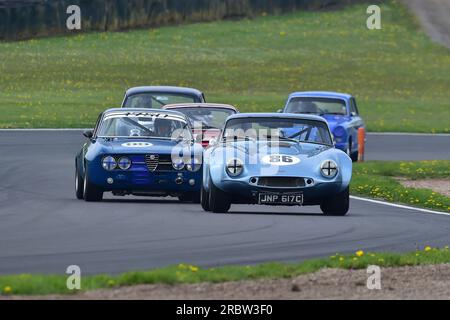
(204, 199)
(219, 201)
(92, 193)
(79, 183)
(337, 205)
(190, 197)
(352, 155)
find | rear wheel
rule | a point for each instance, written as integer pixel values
(92, 193)
(219, 201)
(79, 183)
(204, 199)
(337, 205)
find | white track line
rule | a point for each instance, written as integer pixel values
(45, 130)
(407, 134)
(400, 206)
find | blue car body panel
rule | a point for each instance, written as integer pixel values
(347, 125)
(310, 156)
(138, 178)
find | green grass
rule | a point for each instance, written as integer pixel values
(398, 75)
(376, 179)
(26, 284)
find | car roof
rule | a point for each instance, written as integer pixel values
(277, 115)
(321, 94)
(147, 110)
(199, 105)
(163, 89)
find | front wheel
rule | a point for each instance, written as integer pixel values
(92, 193)
(79, 183)
(337, 205)
(204, 199)
(219, 201)
(190, 197)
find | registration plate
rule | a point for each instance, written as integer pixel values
(281, 199)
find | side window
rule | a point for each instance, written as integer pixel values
(353, 107)
(97, 124)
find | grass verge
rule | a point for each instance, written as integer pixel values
(375, 179)
(51, 284)
(398, 75)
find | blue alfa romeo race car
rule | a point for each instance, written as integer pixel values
(141, 152)
(276, 159)
(340, 111)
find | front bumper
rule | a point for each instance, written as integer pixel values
(243, 192)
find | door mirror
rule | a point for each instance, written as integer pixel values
(280, 110)
(88, 134)
(198, 138)
(213, 141)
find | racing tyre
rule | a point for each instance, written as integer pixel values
(204, 199)
(190, 197)
(219, 202)
(352, 155)
(79, 183)
(337, 205)
(92, 193)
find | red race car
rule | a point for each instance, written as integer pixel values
(206, 119)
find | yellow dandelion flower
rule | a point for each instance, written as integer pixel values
(7, 290)
(193, 268)
(359, 253)
(341, 258)
(427, 248)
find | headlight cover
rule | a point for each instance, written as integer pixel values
(235, 167)
(178, 164)
(194, 165)
(329, 169)
(109, 163)
(124, 163)
(339, 132)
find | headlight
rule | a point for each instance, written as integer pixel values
(194, 165)
(339, 132)
(109, 163)
(178, 164)
(329, 169)
(235, 167)
(124, 163)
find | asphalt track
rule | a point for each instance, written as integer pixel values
(44, 229)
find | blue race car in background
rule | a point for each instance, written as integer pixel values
(141, 152)
(340, 111)
(156, 97)
(276, 159)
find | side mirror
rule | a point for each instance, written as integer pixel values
(88, 134)
(198, 138)
(280, 110)
(213, 141)
(353, 114)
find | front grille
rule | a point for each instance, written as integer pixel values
(151, 160)
(281, 182)
(157, 162)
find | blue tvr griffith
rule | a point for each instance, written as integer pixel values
(142, 152)
(340, 111)
(276, 159)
